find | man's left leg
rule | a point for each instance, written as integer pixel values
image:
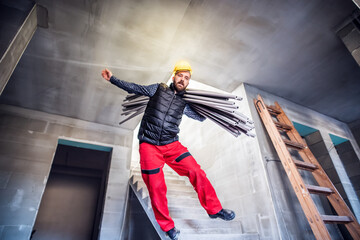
(179, 159)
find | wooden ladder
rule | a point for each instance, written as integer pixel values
(276, 121)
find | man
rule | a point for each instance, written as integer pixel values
(158, 136)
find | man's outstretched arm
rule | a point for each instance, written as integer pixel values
(130, 87)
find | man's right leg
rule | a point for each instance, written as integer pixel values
(152, 162)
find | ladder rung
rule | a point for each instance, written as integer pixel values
(273, 110)
(319, 190)
(293, 144)
(336, 219)
(305, 165)
(273, 114)
(282, 126)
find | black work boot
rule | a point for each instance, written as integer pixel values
(224, 214)
(173, 233)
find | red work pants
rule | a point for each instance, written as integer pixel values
(152, 160)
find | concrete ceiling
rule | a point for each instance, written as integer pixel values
(288, 48)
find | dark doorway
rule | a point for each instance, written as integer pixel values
(72, 204)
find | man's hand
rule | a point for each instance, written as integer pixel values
(106, 74)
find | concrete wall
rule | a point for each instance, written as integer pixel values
(351, 163)
(13, 15)
(350, 35)
(355, 129)
(292, 221)
(318, 148)
(27, 148)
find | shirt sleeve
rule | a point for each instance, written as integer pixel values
(148, 90)
(189, 112)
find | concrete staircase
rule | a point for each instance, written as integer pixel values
(186, 211)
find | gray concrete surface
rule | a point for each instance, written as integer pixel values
(351, 163)
(17, 46)
(350, 35)
(357, 2)
(27, 149)
(355, 129)
(288, 48)
(285, 48)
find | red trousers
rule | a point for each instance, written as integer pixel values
(152, 160)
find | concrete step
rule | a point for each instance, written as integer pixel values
(170, 186)
(246, 236)
(175, 190)
(196, 212)
(177, 193)
(176, 177)
(207, 226)
(169, 181)
(168, 175)
(170, 192)
(179, 201)
(167, 172)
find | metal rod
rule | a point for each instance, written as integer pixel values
(131, 97)
(235, 134)
(135, 102)
(132, 111)
(244, 117)
(227, 114)
(243, 126)
(250, 134)
(134, 106)
(214, 105)
(128, 111)
(220, 121)
(241, 118)
(213, 94)
(132, 116)
(232, 116)
(137, 99)
(209, 99)
(216, 115)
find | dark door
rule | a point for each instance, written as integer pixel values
(72, 204)
(68, 208)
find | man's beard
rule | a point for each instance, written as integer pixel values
(181, 86)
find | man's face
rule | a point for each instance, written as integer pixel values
(181, 80)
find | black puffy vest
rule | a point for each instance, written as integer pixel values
(160, 123)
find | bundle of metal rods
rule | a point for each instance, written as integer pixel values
(211, 105)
